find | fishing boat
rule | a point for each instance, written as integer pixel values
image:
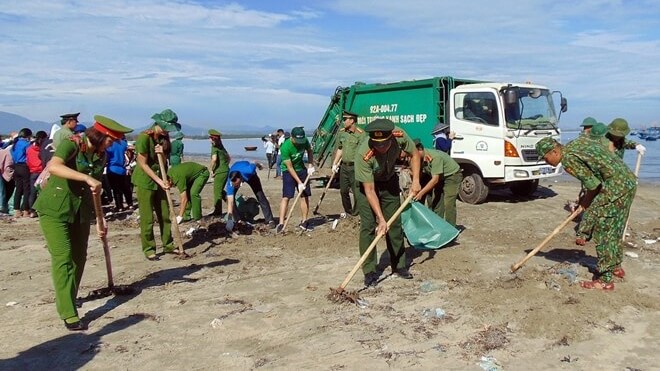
(250, 148)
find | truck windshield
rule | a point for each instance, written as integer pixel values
(534, 109)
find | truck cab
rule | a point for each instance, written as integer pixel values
(496, 128)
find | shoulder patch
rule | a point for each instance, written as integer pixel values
(428, 158)
(78, 140)
(368, 155)
(398, 133)
(359, 130)
(342, 129)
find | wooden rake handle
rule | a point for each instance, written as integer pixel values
(98, 210)
(327, 186)
(374, 243)
(295, 201)
(561, 226)
(170, 203)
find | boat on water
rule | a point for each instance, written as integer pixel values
(250, 148)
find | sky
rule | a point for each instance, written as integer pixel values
(276, 62)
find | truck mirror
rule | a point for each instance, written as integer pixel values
(510, 96)
(564, 104)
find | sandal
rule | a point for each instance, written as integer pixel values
(152, 257)
(597, 284)
(619, 272)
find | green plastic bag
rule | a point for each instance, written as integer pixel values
(424, 229)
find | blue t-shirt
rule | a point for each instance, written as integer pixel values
(246, 168)
(115, 156)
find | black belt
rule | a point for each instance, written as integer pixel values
(348, 163)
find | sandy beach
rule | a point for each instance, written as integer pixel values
(256, 300)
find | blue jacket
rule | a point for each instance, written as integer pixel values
(246, 168)
(19, 151)
(116, 160)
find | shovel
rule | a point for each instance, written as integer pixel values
(638, 164)
(293, 206)
(561, 226)
(316, 208)
(175, 225)
(340, 290)
(111, 289)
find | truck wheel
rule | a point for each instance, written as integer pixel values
(524, 188)
(473, 189)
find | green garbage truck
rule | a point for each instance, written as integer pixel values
(496, 126)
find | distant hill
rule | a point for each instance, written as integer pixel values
(10, 122)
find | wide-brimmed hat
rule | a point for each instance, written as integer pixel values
(618, 127)
(167, 120)
(438, 128)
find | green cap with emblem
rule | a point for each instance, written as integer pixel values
(588, 122)
(167, 120)
(598, 130)
(110, 127)
(380, 129)
(545, 145)
(349, 114)
(214, 133)
(618, 127)
(298, 135)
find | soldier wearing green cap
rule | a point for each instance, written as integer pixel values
(65, 208)
(378, 197)
(441, 178)
(348, 139)
(616, 133)
(68, 122)
(610, 188)
(219, 169)
(189, 178)
(176, 154)
(587, 124)
(150, 187)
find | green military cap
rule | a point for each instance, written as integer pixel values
(597, 131)
(618, 127)
(588, 122)
(349, 114)
(68, 116)
(545, 145)
(167, 120)
(214, 133)
(176, 135)
(110, 127)
(380, 129)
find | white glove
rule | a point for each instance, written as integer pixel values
(301, 187)
(641, 149)
(335, 168)
(229, 226)
(310, 170)
(179, 219)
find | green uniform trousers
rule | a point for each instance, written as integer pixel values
(347, 184)
(150, 201)
(388, 195)
(67, 245)
(609, 222)
(194, 196)
(444, 195)
(219, 181)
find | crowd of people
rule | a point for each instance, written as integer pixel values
(74, 165)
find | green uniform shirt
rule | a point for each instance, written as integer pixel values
(348, 143)
(370, 167)
(222, 162)
(146, 145)
(184, 174)
(60, 135)
(63, 198)
(620, 147)
(177, 152)
(295, 153)
(594, 165)
(439, 163)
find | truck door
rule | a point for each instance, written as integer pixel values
(479, 134)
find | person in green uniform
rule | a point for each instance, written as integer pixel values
(149, 186)
(587, 124)
(610, 189)
(68, 122)
(294, 174)
(347, 142)
(616, 133)
(176, 153)
(65, 208)
(441, 178)
(219, 169)
(378, 196)
(189, 178)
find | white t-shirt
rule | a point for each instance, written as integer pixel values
(269, 146)
(280, 141)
